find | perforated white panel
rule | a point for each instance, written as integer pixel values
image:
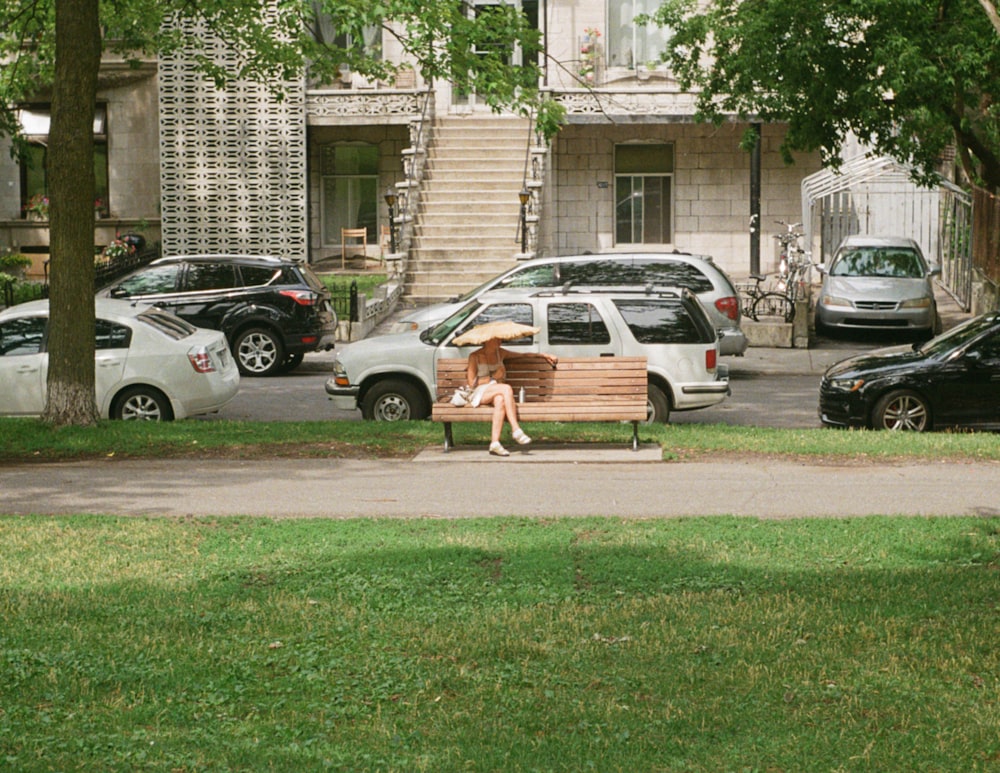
(232, 162)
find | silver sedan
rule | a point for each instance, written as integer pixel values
(878, 283)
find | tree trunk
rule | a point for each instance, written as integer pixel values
(71, 215)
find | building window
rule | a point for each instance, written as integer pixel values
(644, 194)
(629, 44)
(349, 190)
(34, 122)
(338, 35)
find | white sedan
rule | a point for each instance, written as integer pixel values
(149, 363)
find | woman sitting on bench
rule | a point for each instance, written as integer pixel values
(486, 376)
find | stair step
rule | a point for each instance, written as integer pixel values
(465, 232)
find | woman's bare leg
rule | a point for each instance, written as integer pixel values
(503, 396)
(498, 415)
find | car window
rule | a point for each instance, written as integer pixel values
(313, 281)
(576, 323)
(670, 273)
(894, 262)
(532, 276)
(209, 276)
(988, 349)
(676, 274)
(168, 324)
(958, 336)
(111, 335)
(658, 321)
(22, 336)
(497, 312)
(288, 276)
(598, 273)
(254, 276)
(154, 280)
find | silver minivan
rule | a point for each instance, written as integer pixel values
(697, 273)
(392, 377)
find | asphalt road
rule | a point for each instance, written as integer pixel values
(770, 388)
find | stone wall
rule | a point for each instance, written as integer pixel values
(711, 190)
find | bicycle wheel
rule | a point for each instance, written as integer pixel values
(772, 307)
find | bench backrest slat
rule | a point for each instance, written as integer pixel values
(609, 378)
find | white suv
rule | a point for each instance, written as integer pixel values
(391, 377)
(697, 273)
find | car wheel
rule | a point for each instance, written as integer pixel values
(292, 361)
(771, 307)
(902, 409)
(657, 406)
(258, 352)
(141, 403)
(393, 401)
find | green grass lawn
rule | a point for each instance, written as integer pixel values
(29, 439)
(499, 645)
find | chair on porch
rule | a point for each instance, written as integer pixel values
(352, 233)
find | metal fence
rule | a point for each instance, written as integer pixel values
(105, 272)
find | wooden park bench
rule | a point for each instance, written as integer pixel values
(577, 389)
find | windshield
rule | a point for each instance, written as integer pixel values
(959, 336)
(435, 335)
(895, 262)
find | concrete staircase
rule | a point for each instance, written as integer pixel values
(467, 228)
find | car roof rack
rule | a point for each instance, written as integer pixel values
(648, 289)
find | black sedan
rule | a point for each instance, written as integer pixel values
(950, 381)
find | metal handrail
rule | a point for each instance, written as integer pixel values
(413, 174)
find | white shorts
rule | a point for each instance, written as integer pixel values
(477, 393)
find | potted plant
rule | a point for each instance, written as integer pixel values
(643, 71)
(37, 207)
(12, 269)
(100, 208)
(116, 249)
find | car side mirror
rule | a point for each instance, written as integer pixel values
(935, 270)
(820, 267)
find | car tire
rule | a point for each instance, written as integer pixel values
(902, 410)
(394, 401)
(258, 352)
(657, 405)
(141, 403)
(292, 361)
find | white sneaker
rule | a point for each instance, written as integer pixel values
(498, 450)
(521, 438)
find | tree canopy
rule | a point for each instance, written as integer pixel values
(908, 78)
(51, 50)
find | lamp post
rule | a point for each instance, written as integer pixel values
(525, 197)
(390, 199)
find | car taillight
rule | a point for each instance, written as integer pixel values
(730, 306)
(302, 297)
(710, 358)
(201, 360)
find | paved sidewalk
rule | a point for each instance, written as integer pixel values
(561, 482)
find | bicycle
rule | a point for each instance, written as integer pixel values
(790, 286)
(762, 304)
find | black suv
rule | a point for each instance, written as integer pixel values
(272, 310)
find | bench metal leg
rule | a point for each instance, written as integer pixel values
(635, 436)
(449, 441)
